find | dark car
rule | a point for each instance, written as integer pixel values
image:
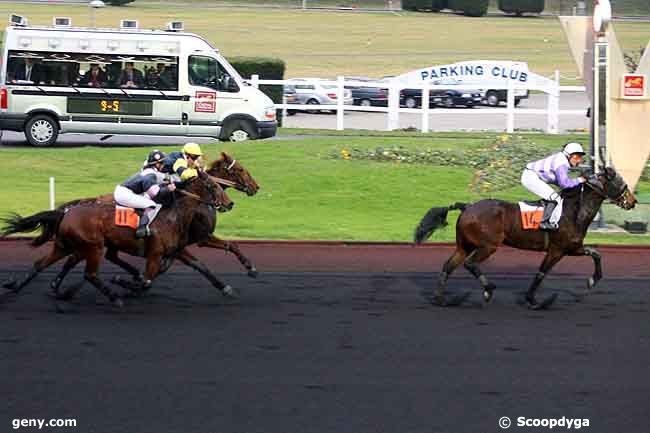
(494, 97)
(447, 97)
(367, 96)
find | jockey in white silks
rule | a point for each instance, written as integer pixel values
(538, 176)
(140, 190)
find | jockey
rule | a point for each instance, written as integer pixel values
(139, 190)
(184, 164)
(538, 176)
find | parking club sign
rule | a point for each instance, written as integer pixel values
(634, 86)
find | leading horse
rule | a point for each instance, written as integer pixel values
(486, 224)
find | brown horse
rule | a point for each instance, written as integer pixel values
(224, 169)
(484, 225)
(88, 228)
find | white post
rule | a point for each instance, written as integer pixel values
(510, 124)
(425, 107)
(284, 106)
(51, 193)
(340, 109)
(255, 81)
(393, 105)
(553, 101)
(304, 4)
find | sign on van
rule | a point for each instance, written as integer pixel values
(487, 73)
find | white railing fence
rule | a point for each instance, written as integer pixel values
(552, 110)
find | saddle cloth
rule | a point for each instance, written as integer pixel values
(531, 215)
(126, 217)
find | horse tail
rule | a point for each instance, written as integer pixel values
(47, 221)
(435, 218)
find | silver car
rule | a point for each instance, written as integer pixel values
(314, 93)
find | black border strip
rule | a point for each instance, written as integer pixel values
(115, 96)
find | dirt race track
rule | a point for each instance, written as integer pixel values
(332, 338)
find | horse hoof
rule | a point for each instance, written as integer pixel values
(487, 296)
(544, 305)
(441, 301)
(11, 285)
(229, 292)
(591, 283)
(252, 272)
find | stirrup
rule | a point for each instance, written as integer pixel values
(549, 226)
(142, 232)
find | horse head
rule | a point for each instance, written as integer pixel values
(209, 192)
(230, 169)
(611, 185)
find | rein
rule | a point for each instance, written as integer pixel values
(222, 181)
(195, 197)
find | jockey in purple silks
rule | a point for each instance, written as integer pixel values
(539, 175)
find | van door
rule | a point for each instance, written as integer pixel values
(214, 94)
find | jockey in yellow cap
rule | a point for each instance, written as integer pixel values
(184, 164)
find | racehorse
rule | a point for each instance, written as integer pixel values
(87, 228)
(486, 224)
(227, 172)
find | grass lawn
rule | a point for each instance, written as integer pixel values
(326, 44)
(305, 193)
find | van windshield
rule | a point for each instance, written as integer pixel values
(92, 70)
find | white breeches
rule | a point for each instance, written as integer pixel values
(125, 197)
(531, 181)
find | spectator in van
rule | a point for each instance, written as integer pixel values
(95, 77)
(161, 78)
(29, 71)
(131, 77)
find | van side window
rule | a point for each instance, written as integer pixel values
(92, 70)
(206, 71)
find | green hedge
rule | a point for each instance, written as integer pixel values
(472, 8)
(521, 6)
(267, 69)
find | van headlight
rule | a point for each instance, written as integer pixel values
(269, 113)
(466, 95)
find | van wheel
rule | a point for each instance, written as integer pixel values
(41, 130)
(239, 130)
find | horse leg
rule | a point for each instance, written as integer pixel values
(550, 260)
(92, 267)
(230, 247)
(56, 283)
(44, 262)
(598, 267)
(472, 265)
(188, 259)
(112, 256)
(450, 265)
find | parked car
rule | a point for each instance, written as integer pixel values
(315, 93)
(494, 97)
(448, 96)
(290, 97)
(367, 96)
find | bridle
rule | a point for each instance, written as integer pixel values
(621, 197)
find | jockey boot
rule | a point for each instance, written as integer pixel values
(549, 207)
(143, 228)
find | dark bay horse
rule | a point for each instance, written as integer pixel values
(88, 228)
(486, 224)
